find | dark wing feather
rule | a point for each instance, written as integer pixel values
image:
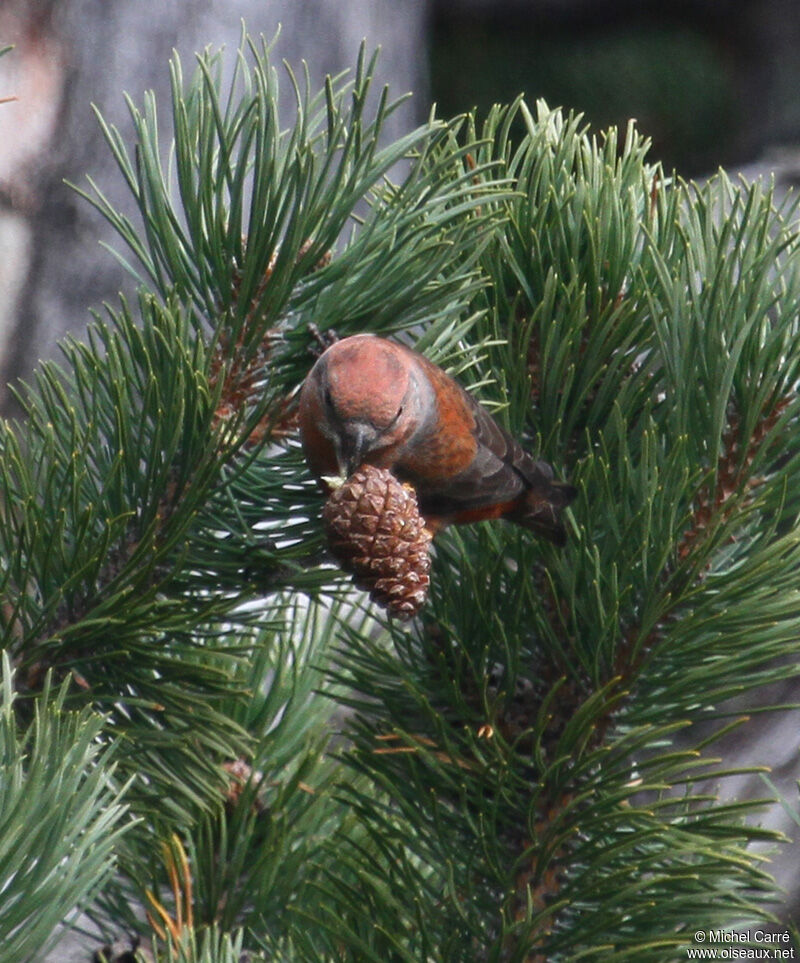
(502, 474)
(499, 472)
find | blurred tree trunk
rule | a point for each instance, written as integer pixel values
(90, 52)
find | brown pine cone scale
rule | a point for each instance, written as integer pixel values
(376, 532)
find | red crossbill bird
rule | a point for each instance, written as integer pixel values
(372, 401)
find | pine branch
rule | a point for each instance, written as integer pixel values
(532, 718)
(144, 492)
(509, 785)
(69, 850)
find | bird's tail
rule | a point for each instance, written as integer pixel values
(541, 510)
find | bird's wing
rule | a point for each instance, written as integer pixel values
(504, 479)
(498, 472)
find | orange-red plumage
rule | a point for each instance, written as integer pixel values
(372, 401)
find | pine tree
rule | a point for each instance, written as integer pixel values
(233, 736)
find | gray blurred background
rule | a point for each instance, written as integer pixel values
(712, 82)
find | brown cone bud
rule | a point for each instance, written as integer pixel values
(376, 532)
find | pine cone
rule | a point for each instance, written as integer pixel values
(376, 532)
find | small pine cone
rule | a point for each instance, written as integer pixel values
(376, 532)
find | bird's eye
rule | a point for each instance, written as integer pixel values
(399, 412)
(328, 398)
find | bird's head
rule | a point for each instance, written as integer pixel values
(364, 395)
